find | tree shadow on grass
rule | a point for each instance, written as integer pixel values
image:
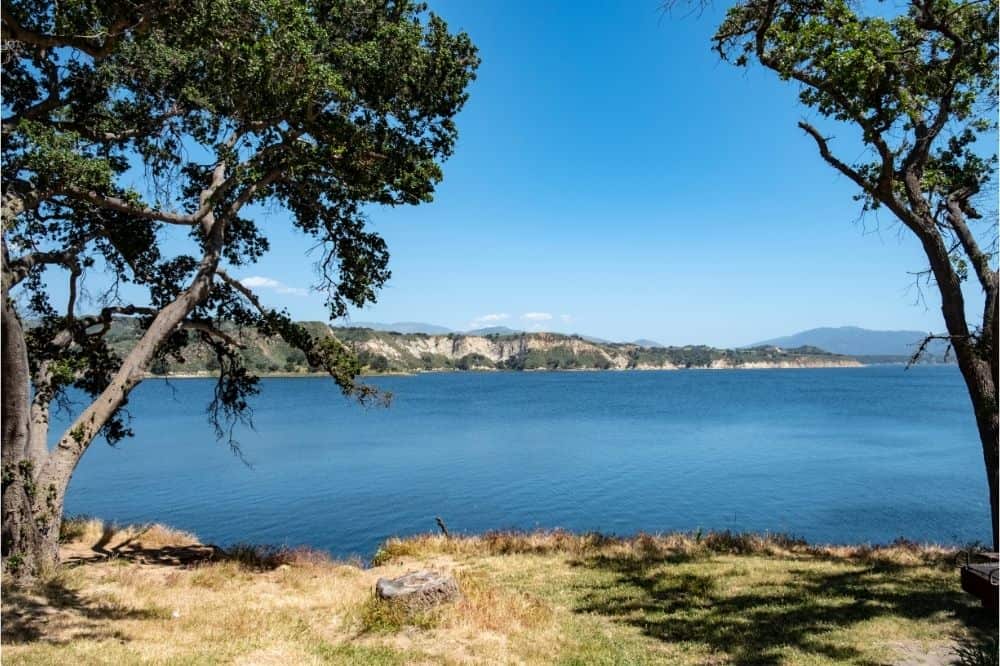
(29, 615)
(132, 550)
(757, 623)
(179, 556)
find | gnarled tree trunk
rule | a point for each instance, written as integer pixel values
(35, 477)
(24, 550)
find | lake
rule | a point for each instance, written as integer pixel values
(832, 455)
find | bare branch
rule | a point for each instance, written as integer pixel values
(927, 340)
(74, 276)
(824, 151)
(243, 289)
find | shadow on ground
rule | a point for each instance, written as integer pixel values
(52, 612)
(756, 624)
(131, 549)
(28, 615)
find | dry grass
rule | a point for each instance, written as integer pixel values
(645, 546)
(153, 595)
(96, 533)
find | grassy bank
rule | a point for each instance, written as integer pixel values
(156, 595)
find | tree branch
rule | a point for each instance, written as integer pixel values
(92, 45)
(207, 328)
(89, 133)
(18, 269)
(824, 151)
(980, 262)
(243, 289)
(122, 206)
(927, 340)
(74, 276)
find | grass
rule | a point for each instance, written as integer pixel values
(153, 595)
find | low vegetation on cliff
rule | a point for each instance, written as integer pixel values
(153, 595)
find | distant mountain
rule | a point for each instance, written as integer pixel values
(854, 341)
(402, 327)
(595, 340)
(493, 330)
(642, 342)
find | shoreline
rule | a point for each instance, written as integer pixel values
(558, 537)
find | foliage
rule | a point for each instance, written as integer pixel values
(919, 86)
(225, 107)
(474, 362)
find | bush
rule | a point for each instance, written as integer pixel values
(267, 557)
(471, 361)
(384, 617)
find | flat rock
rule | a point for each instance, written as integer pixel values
(422, 587)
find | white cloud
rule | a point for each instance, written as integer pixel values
(536, 316)
(261, 282)
(491, 318)
(566, 318)
(257, 281)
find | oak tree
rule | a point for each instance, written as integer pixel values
(218, 119)
(919, 87)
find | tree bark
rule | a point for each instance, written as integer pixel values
(982, 387)
(23, 551)
(35, 479)
(984, 399)
(983, 392)
(976, 357)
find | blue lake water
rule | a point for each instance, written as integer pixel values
(832, 455)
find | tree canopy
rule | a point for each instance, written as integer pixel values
(123, 119)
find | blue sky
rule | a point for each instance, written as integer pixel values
(614, 178)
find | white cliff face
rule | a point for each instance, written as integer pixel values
(456, 347)
(804, 362)
(451, 347)
(496, 349)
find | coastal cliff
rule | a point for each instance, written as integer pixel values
(391, 352)
(396, 352)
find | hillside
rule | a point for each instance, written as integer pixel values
(855, 341)
(388, 351)
(261, 355)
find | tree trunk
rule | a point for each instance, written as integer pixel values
(35, 478)
(983, 392)
(26, 551)
(976, 356)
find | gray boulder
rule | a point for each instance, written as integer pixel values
(418, 587)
